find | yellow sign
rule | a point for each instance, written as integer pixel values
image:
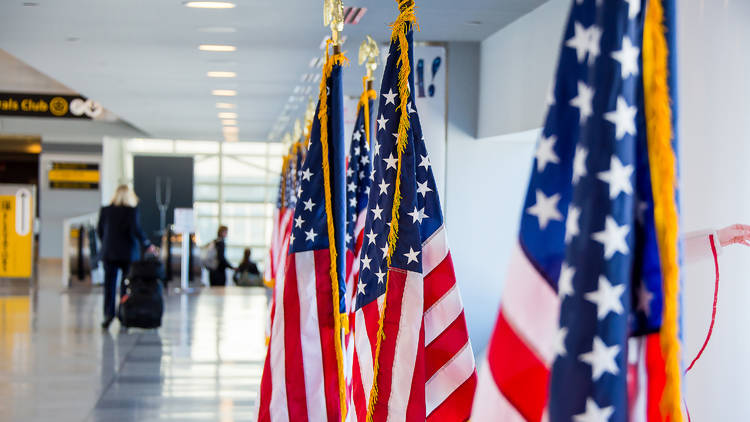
(74, 176)
(16, 234)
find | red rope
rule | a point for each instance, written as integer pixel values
(713, 313)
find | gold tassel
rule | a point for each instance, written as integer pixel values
(405, 19)
(323, 118)
(664, 184)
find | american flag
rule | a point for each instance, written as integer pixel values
(303, 373)
(357, 190)
(425, 365)
(577, 337)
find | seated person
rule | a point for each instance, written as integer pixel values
(247, 273)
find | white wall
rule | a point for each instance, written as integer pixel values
(517, 66)
(714, 101)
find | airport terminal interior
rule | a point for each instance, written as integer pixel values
(170, 170)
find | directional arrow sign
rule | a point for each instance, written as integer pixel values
(23, 212)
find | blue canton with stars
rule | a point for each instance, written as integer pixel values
(310, 224)
(420, 215)
(587, 224)
(357, 175)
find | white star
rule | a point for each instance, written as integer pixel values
(618, 178)
(582, 101)
(377, 211)
(361, 174)
(390, 97)
(383, 187)
(565, 282)
(545, 209)
(364, 160)
(411, 255)
(580, 41)
(381, 123)
(365, 263)
(594, 413)
(606, 298)
(356, 150)
(298, 221)
(377, 149)
(601, 358)
(634, 6)
(361, 286)
(623, 117)
(385, 249)
(310, 235)
(299, 191)
(357, 136)
(628, 58)
(371, 237)
(595, 36)
(390, 162)
(644, 299)
(613, 238)
(380, 274)
(349, 172)
(352, 187)
(409, 108)
(559, 343)
(308, 204)
(422, 188)
(372, 177)
(572, 229)
(353, 202)
(348, 238)
(579, 164)
(545, 152)
(418, 215)
(425, 162)
(306, 175)
(291, 239)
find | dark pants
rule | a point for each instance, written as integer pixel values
(110, 285)
(218, 277)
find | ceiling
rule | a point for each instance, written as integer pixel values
(140, 58)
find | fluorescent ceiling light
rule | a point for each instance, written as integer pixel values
(220, 74)
(209, 4)
(230, 130)
(217, 47)
(226, 106)
(217, 29)
(226, 115)
(224, 92)
(229, 122)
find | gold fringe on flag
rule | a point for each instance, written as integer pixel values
(340, 59)
(664, 184)
(364, 101)
(401, 26)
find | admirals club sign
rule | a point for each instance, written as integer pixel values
(45, 105)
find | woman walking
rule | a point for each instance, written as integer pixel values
(121, 234)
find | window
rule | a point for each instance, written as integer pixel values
(235, 184)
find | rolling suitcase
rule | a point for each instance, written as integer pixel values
(142, 304)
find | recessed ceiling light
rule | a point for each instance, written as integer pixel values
(226, 106)
(209, 4)
(217, 47)
(217, 29)
(224, 92)
(226, 115)
(30, 4)
(229, 122)
(72, 39)
(474, 23)
(221, 74)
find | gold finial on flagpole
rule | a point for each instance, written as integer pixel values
(369, 53)
(333, 16)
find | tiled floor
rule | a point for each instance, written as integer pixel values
(56, 363)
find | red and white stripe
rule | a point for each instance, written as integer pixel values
(302, 329)
(513, 380)
(427, 369)
(352, 275)
(274, 272)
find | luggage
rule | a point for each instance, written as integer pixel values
(248, 279)
(142, 304)
(209, 256)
